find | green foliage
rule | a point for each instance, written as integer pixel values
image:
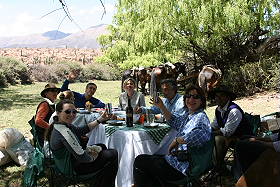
(216, 31)
(13, 72)
(253, 77)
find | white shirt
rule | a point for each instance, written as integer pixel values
(233, 120)
(137, 99)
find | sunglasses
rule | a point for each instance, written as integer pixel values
(70, 111)
(193, 96)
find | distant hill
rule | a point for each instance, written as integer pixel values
(86, 39)
(55, 35)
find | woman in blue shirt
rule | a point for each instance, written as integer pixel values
(193, 130)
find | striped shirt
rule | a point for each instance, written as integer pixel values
(195, 129)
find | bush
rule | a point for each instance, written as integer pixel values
(63, 68)
(13, 72)
(43, 73)
(250, 78)
(99, 72)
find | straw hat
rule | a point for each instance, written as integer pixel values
(49, 87)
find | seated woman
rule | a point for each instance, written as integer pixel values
(44, 111)
(193, 130)
(65, 146)
(137, 98)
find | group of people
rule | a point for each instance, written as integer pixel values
(185, 114)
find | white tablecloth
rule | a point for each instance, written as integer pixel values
(129, 145)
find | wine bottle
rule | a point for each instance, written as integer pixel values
(129, 114)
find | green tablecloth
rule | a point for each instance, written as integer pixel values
(156, 133)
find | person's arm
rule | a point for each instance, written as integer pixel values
(41, 114)
(167, 115)
(97, 103)
(200, 133)
(142, 100)
(233, 120)
(120, 102)
(104, 117)
(82, 157)
(65, 85)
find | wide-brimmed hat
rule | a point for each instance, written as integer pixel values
(222, 89)
(49, 87)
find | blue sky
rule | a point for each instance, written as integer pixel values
(22, 17)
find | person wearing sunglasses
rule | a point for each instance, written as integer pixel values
(44, 111)
(193, 130)
(228, 125)
(65, 143)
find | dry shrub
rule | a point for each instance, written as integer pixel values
(43, 73)
(63, 68)
(13, 72)
(99, 72)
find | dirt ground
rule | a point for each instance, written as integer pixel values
(262, 103)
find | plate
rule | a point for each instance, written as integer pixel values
(115, 122)
(84, 112)
(97, 109)
(151, 125)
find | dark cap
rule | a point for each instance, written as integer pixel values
(222, 89)
(49, 87)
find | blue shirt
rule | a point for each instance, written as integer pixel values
(195, 129)
(80, 99)
(175, 106)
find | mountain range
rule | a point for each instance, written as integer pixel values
(86, 39)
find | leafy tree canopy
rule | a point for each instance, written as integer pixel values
(147, 32)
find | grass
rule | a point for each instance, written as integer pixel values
(18, 104)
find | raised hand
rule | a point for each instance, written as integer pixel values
(72, 76)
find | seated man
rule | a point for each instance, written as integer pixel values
(229, 123)
(172, 100)
(82, 99)
(174, 104)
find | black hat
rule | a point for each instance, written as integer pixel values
(222, 89)
(49, 87)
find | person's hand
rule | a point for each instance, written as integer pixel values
(158, 104)
(105, 116)
(173, 147)
(137, 110)
(89, 105)
(252, 139)
(72, 76)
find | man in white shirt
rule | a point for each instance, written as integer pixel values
(229, 123)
